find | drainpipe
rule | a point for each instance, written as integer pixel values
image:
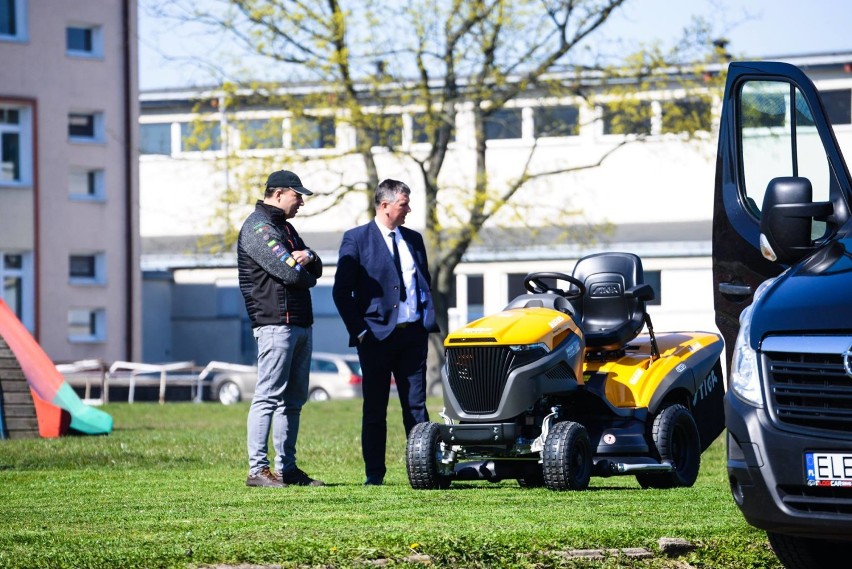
(129, 155)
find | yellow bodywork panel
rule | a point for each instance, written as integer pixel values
(631, 380)
(514, 327)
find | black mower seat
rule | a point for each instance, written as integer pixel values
(612, 312)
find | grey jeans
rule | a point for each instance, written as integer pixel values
(283, 368)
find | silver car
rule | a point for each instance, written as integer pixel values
(333, 376)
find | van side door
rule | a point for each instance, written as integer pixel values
(773, 124)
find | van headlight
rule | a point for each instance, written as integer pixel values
(745, 374)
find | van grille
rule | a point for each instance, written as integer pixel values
(477, 376)
(809, 389)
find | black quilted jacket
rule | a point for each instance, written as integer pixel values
(275, 287)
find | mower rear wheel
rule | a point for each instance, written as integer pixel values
(676, 439)
(567, 457)
(421, 458)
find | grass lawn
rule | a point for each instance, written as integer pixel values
(167, 489)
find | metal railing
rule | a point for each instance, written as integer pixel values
(96, 372)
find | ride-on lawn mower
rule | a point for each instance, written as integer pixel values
(561, 386)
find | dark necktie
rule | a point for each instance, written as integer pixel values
(398, 265)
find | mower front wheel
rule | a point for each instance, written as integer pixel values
(421, 458)
(567, 457)
(676, 439)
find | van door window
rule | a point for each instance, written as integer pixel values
(778, 138)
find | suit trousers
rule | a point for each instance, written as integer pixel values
(403, 355)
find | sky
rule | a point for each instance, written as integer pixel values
(755, 28)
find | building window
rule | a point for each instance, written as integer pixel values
(557, 121)
(686, 115)
(86, 325)
(261, 133)
(10, 145)
(11, 271)
(83, 41)
(385, 131)
(503, 124)
(155, 138)
(315, 132)
(627, 117)
(86, 184)
(422, 132)
(86, 268)
(12, 20)
(838, 105)
(475, 297)
(16, 285)
(654, 279)
(200, 136)
(85, 127)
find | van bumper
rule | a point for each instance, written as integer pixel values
(766, 473)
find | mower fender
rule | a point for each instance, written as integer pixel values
(700, 376)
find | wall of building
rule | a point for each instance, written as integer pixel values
(663, 180)
(41, 216)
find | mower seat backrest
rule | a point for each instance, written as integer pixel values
(544, 300)
(612, 310)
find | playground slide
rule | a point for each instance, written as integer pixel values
(55, 400)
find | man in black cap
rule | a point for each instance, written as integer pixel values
(276, 272)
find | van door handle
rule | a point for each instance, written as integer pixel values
(735, 289)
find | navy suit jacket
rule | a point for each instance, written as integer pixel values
(365, 284)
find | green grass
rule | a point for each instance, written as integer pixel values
(167, 489)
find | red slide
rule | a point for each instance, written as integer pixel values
(58, 407)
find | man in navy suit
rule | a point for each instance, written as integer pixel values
(382, 289)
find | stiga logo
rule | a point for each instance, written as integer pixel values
(705, 388)
(605, 289)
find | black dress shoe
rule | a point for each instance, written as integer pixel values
(373, 481)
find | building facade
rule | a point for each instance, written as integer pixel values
(654, 190)
(69, 229)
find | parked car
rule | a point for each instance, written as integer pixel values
(333, 376)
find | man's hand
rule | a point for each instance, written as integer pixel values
(303, 257)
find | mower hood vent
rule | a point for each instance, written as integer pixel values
(477, 376)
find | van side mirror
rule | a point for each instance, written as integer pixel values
(786, 219)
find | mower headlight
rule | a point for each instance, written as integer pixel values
(527, 348)
(745, 375)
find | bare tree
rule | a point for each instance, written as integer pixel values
(359, 60)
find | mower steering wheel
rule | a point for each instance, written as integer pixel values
(534, 284)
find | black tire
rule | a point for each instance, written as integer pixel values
(567, 457)
(676, 439)
(228, 393)
(421, 458)
(318, 394)
(806, 553)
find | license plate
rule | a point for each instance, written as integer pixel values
(828, 469)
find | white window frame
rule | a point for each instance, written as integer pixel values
(99, 278)
(97, 51)
(96, 336)
(99, 189)
(98, 120)
(25, 273)
(22, 22)
(24, 131)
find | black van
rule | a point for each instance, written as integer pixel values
(782, 270)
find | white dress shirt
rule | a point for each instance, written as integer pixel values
(408, 307)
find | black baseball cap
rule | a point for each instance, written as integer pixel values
(287, 179)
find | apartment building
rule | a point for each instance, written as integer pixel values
(656, 194)
(69, 229)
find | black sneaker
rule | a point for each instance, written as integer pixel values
(264, 478)
(296, 477)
